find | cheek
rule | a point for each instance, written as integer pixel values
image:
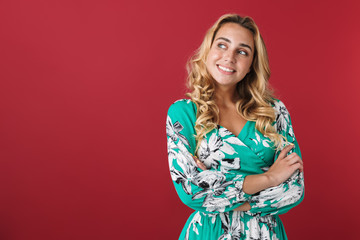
(248, 64)
(209, 61)
(208, 66)
(213, 55)
(251, 60)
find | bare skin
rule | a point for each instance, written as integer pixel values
(229, 117)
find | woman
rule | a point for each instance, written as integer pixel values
(233, 155)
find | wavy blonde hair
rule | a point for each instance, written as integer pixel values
(254, 91)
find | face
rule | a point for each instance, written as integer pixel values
(230, 56)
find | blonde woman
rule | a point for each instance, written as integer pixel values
(233, 155)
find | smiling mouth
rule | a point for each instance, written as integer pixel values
(225, 69)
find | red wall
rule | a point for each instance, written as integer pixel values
(84, 91)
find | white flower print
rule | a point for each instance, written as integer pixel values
(213, 150)
(178, 151)
(261, 228)
(228, 164)
(291, 131)
(268, 226)
(188, 101)
(171, 146)
(223, 132)
(188, 167)
(211, 180)
(264, 233)
(236, 191)
(209, 151)
(213, 184)
(293, 194)
(196, 220)
(185, 178)
(173, 131)
(264, 142)
(212, 193)
(285, 194)
(213, 216)
(235, 230)
(253, 229)
(282, 116)
(212, 203)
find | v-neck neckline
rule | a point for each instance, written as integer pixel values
(242, 131)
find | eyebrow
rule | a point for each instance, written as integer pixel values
(227, 40)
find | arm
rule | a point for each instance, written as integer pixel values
(281, 198)
(279, 172)
(204, 190)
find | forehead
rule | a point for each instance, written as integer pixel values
(236, 34)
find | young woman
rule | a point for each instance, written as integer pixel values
(233, 155)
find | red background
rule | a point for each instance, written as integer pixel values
(84, 91)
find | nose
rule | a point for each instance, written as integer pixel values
(229, 56)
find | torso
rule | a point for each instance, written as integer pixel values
(229, 157)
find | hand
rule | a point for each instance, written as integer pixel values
(284, 166)
(245, 207)
(199, 163)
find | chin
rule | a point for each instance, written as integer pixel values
(225, 84)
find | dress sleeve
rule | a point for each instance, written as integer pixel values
(280, 199)
(208, 191)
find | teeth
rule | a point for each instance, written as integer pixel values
(226, 69)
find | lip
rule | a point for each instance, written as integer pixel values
(224, 72)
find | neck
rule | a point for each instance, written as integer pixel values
(226, 96)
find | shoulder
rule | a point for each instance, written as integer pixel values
(182, 106)
(182, 117)
(282, 117)
(279, 106)
(276, 102)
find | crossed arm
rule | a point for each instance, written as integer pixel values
(279, 172)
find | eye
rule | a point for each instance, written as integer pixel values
(221, 45)
(242, 52)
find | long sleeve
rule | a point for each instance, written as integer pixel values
(280, 199)
(208, 191)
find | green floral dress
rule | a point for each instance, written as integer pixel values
(215, 192)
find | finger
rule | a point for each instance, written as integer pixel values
(295, 159)
(201, 166)
(199, 163)
(291, 156)
(297, 166)
(195, 159)
(284, 152)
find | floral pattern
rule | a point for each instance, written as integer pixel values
(215, 192)
(282, 120)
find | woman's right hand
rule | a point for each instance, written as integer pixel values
(284, 166)
(245, 207)
(199, 163)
